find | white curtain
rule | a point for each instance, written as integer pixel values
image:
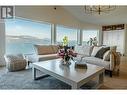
(114, 37)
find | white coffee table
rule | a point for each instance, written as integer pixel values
(75, 77)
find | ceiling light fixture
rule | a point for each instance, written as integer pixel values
(99, 9)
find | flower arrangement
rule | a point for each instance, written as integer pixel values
(65, 41)
(92, 41)
(66, 54)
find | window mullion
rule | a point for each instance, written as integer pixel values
(53, 34)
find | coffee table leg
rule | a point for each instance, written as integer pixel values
(34, 73)
(74, 86)
(101, 78)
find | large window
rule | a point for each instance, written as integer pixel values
(22, 34)
(61, 32)
(90, 35)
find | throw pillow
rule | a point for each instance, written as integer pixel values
(79, 50)
(87, 50)
(106, 56)
(95, 50)
(101, 52)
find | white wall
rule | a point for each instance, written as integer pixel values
(2, 43)
(88, 26)
(47, 14)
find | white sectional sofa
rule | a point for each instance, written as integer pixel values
(88, 55)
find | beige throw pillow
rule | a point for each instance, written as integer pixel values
(95, 50)
(106, 56)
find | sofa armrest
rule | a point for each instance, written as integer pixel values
(112, 61)
(117, 61)
(32, 57)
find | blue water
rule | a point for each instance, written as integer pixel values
(19, 48)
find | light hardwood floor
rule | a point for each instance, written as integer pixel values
(117, 82)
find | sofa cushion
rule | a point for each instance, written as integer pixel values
(79, 49)
(81, 56)
(95, 50)
(101, 52)
(83, 50)
(97, 61)
(47, 57)
(44, 49)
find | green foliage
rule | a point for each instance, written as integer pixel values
(65, 41)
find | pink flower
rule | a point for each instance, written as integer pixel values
(70, 53)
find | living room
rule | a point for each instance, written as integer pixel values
(33, 25)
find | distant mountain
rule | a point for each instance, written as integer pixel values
(27, 39)
(21, 37)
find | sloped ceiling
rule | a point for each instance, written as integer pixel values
(117, 16)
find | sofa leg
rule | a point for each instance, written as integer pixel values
(110, 73)
(118, 72)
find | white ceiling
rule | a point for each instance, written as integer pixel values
(117, 16)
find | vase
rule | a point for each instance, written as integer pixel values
(65, 62)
